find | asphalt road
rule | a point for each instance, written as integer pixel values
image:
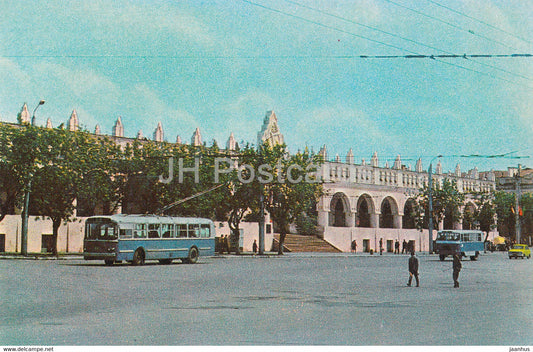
(289, 300)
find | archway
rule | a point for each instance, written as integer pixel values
(364, 209)
(339, 207)
(408, 221)
(386, 219)
(451, 216)
(469, 217)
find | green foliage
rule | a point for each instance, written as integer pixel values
(446, 197)
(286, 200)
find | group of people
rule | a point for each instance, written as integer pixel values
(413, 269)
(407, 247)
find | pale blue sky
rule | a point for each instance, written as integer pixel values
(220, 65)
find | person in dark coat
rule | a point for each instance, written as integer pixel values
(413, 269)
(456, 269)
(254, 247)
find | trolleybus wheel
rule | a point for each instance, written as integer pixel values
(474, 257)
(109, 261)
(441, 257)
(193, 256)
(138, 257)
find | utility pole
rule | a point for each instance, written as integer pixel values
(430, 208)
(25, 212)
(517, 212)
(261, 221)
(430, 203)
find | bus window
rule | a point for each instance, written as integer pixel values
(205, 231)
(181, 230)
(153, 231)
(126, 233)
(194, 230)
(99, 230)
(140, 231)
(166, 230)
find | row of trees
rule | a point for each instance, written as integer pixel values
(494, 210)
(67, 171)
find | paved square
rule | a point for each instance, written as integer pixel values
(303, 299)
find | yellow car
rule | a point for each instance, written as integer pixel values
(519, 251)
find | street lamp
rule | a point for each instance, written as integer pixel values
(25, 212)
(430, 201)
(41, 102)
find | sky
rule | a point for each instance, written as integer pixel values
(221, 65)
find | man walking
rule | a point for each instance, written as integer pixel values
(456, 269)
(413, 269)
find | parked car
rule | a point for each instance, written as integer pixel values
(519, 251)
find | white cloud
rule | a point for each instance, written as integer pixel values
(145, 20)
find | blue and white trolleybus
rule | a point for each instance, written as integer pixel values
(136, 238)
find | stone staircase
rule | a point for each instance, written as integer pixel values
(299, 243)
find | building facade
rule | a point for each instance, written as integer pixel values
(365, 203)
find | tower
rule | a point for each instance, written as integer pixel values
(118, 129)
(196, 138)
(270, 132)
(73, 122)
(158, 133)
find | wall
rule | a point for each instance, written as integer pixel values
(250, 231)
(70, 236)
(342, 237)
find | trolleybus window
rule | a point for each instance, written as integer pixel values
(101, 230)
(194, 230)
(167, 230)
(205, 231)
(126, 233)
(140, 231)
(153, 231)
(182, 230)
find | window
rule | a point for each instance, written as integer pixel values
(126, 233)
(167, 230)
(181, 230)
(205, 231)
(194, 230)
(153, 231)
(140, 231)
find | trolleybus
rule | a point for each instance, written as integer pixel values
(136, 238)
(466, 243)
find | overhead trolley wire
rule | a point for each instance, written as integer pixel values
(380, 42)
(450, 54)
(480, 21)
(450, 24)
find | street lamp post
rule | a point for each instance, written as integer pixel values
(25, 211)
(430, 203)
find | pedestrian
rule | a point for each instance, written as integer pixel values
(456, 269)
(254, 247)
(413, 269)
(404, 246)
(397, 247)
(227, 243)
(381, 246)
(354, 246)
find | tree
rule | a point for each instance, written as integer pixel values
(293, 189)
(504, 203)
(446, 197)
(11, 185)
(66, 158)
